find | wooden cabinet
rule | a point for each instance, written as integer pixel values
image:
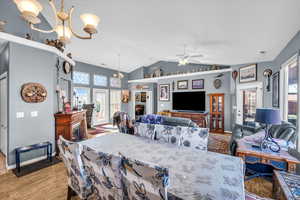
(198, 118)
(70, 124)
(216, 114)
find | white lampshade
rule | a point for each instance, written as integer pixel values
(90, 20)
(64, 33)
(30, 9)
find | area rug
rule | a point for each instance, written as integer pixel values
(95, 131)
(219, 143)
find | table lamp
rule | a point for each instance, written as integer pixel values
(268, 116)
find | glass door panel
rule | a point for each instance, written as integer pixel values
(249, 109)
(115, 102)
(81, 96)
(100, 99)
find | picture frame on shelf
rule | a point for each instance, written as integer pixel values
(275, 89)
(182, 85)
(164, 92)
(198, 84)
(248, 73)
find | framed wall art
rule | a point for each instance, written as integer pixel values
(275, 90)
(248, 73)
(181, 85)
(198, 84)
(164, 92)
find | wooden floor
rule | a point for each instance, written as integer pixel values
(2, 164)
(51, 184)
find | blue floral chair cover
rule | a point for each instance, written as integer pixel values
(104, 173)
(167, 134)
(145, 130)
(194, 137)
(143, 181)
(77, 179)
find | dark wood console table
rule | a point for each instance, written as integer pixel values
(66, 124)
(198, 118)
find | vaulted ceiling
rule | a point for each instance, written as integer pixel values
(143, 32)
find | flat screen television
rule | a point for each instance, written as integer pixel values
(189, 101)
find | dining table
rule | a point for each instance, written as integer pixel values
(193, 174)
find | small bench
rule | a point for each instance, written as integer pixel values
(42, 145)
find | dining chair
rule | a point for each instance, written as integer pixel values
(104, 172)
(144, 181)
(78, 182)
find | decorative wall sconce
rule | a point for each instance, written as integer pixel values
(268, 74)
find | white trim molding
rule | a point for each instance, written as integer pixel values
(11, 38)
(156, 79)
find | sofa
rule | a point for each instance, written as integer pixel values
(169, 121)
(193, 137)
(285, 131)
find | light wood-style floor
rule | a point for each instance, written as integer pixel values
(2, 164)
(46, 184)
(51, 184)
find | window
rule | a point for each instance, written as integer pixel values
(81, 96)
(115, 82)
(115, 101)
(290, 90)
(81, 78)
(100, 80)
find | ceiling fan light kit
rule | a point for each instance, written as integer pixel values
(30, 9)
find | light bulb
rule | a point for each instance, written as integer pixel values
(90, 22)
(30, 9)
(64, 33)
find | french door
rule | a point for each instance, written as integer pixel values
(101, 111)
(115, 102)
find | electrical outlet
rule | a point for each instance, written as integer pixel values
(34, 113)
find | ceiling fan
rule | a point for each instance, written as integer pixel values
(186, 58)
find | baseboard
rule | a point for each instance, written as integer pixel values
(28, 162)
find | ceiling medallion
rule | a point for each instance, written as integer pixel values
(30, 10)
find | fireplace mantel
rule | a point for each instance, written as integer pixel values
(67, 123)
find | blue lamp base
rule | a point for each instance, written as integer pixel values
(268, 142)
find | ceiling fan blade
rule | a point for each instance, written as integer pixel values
(196, 56)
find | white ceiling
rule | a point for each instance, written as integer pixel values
(224, 31)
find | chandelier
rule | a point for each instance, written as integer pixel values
(30, 10)
(119, 75)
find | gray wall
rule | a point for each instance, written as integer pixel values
(267, 96)
(30, 65)
(4, 59)
(208, 88)
(17, 26)
(92, 69)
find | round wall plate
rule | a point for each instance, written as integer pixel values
(67, 67)
(217, 83)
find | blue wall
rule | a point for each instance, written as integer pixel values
(17, 26)
(92, 69)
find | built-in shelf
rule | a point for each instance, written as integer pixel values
(156, 79)
(6, 37)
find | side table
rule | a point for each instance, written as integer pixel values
(286, 186)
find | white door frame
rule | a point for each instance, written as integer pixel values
(4, 127)
(239, 98)
(106, 120)
(149, 101)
